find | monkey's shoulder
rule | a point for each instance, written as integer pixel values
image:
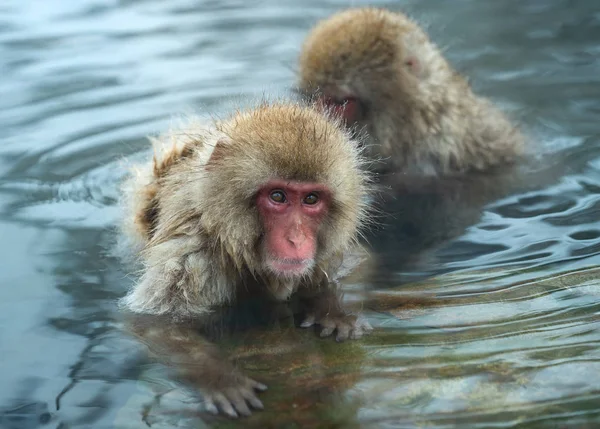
(194, 140)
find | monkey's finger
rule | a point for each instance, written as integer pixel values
(225, 405)
(327, 331)
(356, 333)
(210, 406)
(249, 395)
(343, 332)
(365, 325)
(308, 321)
(328, 326)
(256, 385)
(238, 402)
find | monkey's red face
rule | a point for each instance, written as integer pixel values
(349, 108)
(291, 213)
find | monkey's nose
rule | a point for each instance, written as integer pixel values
(297, 238)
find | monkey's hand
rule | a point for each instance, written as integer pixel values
(233, 394)
(347, 325)
(324, 307)
(199, 364)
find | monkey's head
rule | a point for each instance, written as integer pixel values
(371, 66)
(284, 190)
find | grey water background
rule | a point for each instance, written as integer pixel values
(83, 82)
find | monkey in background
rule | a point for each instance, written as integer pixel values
(379, 71)
(265, 203)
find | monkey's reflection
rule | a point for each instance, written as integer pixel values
(419, 215)
(259, 337)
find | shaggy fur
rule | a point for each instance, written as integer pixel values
(191, 211)
(421, 115)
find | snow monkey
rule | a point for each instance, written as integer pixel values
(380, 72)
(265, 202)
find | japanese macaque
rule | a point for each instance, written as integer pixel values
(264, 203)
(379, 71)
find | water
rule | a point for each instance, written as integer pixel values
(508, 333)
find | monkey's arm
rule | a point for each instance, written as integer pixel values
(199, 363)
(177, 280)
(323, 306)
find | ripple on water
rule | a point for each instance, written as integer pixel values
(530, 347)
(508, 336)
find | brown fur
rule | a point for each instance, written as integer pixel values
(191, 212)
(420, 113)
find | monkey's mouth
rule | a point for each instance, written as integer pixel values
(291, 267)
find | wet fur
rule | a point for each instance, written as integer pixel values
(190, 212)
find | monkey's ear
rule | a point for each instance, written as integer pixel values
(413, 65)
(167, 156)
(220, 150)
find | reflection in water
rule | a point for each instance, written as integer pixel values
(505, 333)
(421, 219)
(419, 215)
(263, 338)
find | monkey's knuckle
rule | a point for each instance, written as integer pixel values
(219, 400)
(231, 393)
(246, 392)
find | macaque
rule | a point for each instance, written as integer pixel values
(379, 71)
(264, 203)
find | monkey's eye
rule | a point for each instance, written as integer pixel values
(277, 196)
(311, 199)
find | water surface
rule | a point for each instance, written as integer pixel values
(508, 333)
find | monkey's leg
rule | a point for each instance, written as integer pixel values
(199, 363)
(324, 307)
